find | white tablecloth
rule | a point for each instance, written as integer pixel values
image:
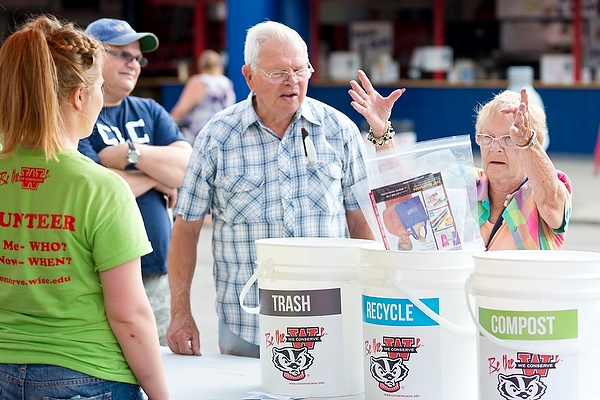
(210, 376)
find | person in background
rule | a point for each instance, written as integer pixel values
(261, 178)
(524, 203)
(138, 139)
(203, 95)
(74, 319)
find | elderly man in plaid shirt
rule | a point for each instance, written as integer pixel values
(253, 169)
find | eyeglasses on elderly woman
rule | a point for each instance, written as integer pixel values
(487, 141)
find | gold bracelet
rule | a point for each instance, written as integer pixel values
(387, 136)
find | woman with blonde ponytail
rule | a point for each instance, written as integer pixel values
(75, 321)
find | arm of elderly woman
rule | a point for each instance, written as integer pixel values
(549, 193)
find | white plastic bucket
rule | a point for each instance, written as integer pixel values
(419, 339)
(538, 314)
(309, 316)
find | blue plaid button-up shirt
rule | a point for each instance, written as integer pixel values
(259, 186)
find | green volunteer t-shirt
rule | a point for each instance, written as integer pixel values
(61, 223)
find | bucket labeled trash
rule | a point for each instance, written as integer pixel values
(418, 336)
(309, 316)
(538, 315)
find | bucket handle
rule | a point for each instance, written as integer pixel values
(262, 268)
(562, 349)
(428, 311)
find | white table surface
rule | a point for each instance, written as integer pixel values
(215, 377)
(210, 376)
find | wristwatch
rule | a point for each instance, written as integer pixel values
(133, 154)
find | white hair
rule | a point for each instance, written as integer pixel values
(265, 31)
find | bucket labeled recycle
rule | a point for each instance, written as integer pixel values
(419, 340)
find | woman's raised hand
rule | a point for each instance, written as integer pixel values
(370, 104)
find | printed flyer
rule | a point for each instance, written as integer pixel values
(415, 214)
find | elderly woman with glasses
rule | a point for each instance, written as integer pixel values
(524, 203)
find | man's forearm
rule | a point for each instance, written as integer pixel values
(181, 262)
(358, 226)
(165, 164)
(138, 181)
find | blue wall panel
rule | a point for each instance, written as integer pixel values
(573, 119)
(242, 15)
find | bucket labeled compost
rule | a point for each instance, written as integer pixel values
(538, 314)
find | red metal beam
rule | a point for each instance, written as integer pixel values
(199, 27)
(577, 39)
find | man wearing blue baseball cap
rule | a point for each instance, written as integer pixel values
(138, 139)
(116, 32)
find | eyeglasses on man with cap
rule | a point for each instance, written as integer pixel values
(128, 57)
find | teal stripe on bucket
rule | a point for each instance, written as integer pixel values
(397, 312)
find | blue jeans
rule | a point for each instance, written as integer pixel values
(50, 382)
(232, 344)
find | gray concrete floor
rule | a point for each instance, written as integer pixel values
(583, 235)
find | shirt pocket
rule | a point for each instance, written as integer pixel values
(325, 187)
(242, 198)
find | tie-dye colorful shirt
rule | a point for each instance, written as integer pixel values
(528, 230)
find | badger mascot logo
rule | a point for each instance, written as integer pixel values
(389, 372)
(292, 362)
(521, 387)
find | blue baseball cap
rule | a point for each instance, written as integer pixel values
(119, 33)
